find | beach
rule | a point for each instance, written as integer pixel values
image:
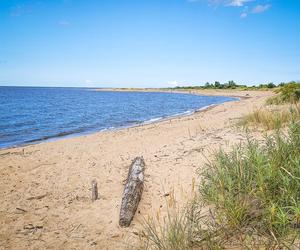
(45, 199)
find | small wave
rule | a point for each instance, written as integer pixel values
(153, 120)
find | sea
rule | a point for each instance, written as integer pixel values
(35, 114)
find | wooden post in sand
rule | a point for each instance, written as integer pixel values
(94, 190)
(132, 192)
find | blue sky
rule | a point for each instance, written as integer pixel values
(148, 43)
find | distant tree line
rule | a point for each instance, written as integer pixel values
(234, 85)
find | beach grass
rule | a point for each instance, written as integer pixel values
(281, 109)
(257, 187)
(288, 93)
(270, 119)
(253, 195)
(179, 229)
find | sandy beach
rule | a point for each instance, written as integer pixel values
(45, 199)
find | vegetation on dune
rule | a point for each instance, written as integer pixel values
(253, 193)
(256, 189)
(272, 119)
(234, 85)
(289, 93)
(177, 230)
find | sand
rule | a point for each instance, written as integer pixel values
(45, 199)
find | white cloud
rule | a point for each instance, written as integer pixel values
(261, 8)
(238, 3)
(246, 7)
(233, 3)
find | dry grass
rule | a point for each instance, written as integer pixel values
(272, 119)
(180, 229)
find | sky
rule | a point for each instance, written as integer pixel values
(148, 43)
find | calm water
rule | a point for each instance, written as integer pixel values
(30, 115)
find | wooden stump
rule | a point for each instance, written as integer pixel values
(94, 190)
(132, 192)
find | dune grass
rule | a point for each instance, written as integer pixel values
(179, 229)
(257, 187)
(253, 193)
(175, 231)
(288, 93)
(272, 119)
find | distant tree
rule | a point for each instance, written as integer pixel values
(217, 85)
(281, 84)
(232, 85)
(261, 86)
(208, 85)
(271, 85)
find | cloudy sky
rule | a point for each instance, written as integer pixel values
(148, 43)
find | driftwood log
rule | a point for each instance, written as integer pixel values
(132, 192)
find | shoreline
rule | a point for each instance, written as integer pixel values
(138, 124)
(47, 186)
(202, 92)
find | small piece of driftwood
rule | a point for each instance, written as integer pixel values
(37, 197)
(132, 192)
(94, 190)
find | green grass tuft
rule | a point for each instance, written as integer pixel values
(257, 188)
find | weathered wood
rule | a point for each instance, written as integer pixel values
(94, 190)
(132, 192)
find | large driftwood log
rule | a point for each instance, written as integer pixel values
(132, 192)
